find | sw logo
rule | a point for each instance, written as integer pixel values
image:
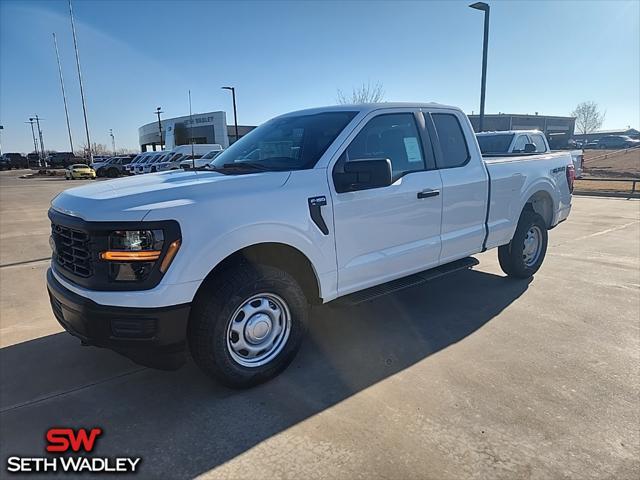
(69, 441)
(63, 439)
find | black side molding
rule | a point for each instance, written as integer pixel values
(315, 204)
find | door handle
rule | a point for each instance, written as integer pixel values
(428, 193)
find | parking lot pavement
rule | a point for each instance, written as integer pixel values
(471, 376)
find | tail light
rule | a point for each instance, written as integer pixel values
(571, 176)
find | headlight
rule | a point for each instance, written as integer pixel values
(133, 254)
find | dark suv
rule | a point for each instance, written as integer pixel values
(13, 160)
(114, 167)
(63, 160)
(617, 141)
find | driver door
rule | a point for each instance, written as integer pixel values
(388, 232)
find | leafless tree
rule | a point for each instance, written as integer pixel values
(96, 149)
(588, 117)
(365, 93)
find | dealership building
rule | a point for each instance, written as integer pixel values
(198, 128)
(558, 130)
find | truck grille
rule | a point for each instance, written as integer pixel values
(73, 252)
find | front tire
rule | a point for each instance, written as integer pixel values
(523, 256)
(247, 324)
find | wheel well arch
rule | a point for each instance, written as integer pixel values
(542, 204)
(279, 255)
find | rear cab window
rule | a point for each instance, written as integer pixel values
(539, 142)
(453, 144)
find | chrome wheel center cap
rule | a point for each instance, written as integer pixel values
(258, 328)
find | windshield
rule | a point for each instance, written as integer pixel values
(494, 143)
(287, 143)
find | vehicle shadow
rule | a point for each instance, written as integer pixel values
(182, 424)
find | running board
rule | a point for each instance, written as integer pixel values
(407, 282)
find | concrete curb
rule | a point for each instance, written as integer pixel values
(586, 193)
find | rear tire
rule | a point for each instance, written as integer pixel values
(247, 324)
(523, 256)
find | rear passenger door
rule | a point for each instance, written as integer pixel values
(464, 184)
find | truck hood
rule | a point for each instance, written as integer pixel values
(132, 198)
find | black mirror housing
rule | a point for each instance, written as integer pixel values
(529, 148)
(364, 174)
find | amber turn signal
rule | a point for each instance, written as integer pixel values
(168, 258)
(139, 256)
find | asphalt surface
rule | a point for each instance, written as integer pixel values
(470, 376)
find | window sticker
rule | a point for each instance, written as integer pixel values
(413, 149)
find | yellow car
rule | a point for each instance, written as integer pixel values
(79, 170)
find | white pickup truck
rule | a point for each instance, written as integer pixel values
(522, 142)
(311, 206)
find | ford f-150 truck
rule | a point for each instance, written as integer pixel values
(311, 206)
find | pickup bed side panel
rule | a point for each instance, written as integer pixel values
(514, 181)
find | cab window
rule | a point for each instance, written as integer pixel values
(453, 143)
(391, 136)
(538, 141)
(521, 141)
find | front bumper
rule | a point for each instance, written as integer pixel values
(153, 337)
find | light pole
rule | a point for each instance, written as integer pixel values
(113, 141)
(158, 112)
(40, 134)
(84, 106)
(64, 96)
(35, 144)
(235, 113)
(485, 44)
(1, 128)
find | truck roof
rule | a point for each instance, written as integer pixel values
(369, 107)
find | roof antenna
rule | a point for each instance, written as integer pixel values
(193, 157)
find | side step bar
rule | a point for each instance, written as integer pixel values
(407, 282)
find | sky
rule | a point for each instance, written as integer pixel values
(544, 56)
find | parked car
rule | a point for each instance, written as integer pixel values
(593, 144)
(127, 167)
(523, 142)
(63, 160)
(79, 171)
(311, 206)
(616, 142)
(99, 162)
(180, 153)
(114, 167)
(201, 162)
(13, 160)
(151, 165)
(33, 160)
(149, 158)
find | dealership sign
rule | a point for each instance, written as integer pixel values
(70, 441)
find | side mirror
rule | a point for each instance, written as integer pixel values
(363, 175)
(529, 148)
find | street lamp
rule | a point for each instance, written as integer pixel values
(158, 112)
(485, 8)
(235, 114)
(113, 141)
